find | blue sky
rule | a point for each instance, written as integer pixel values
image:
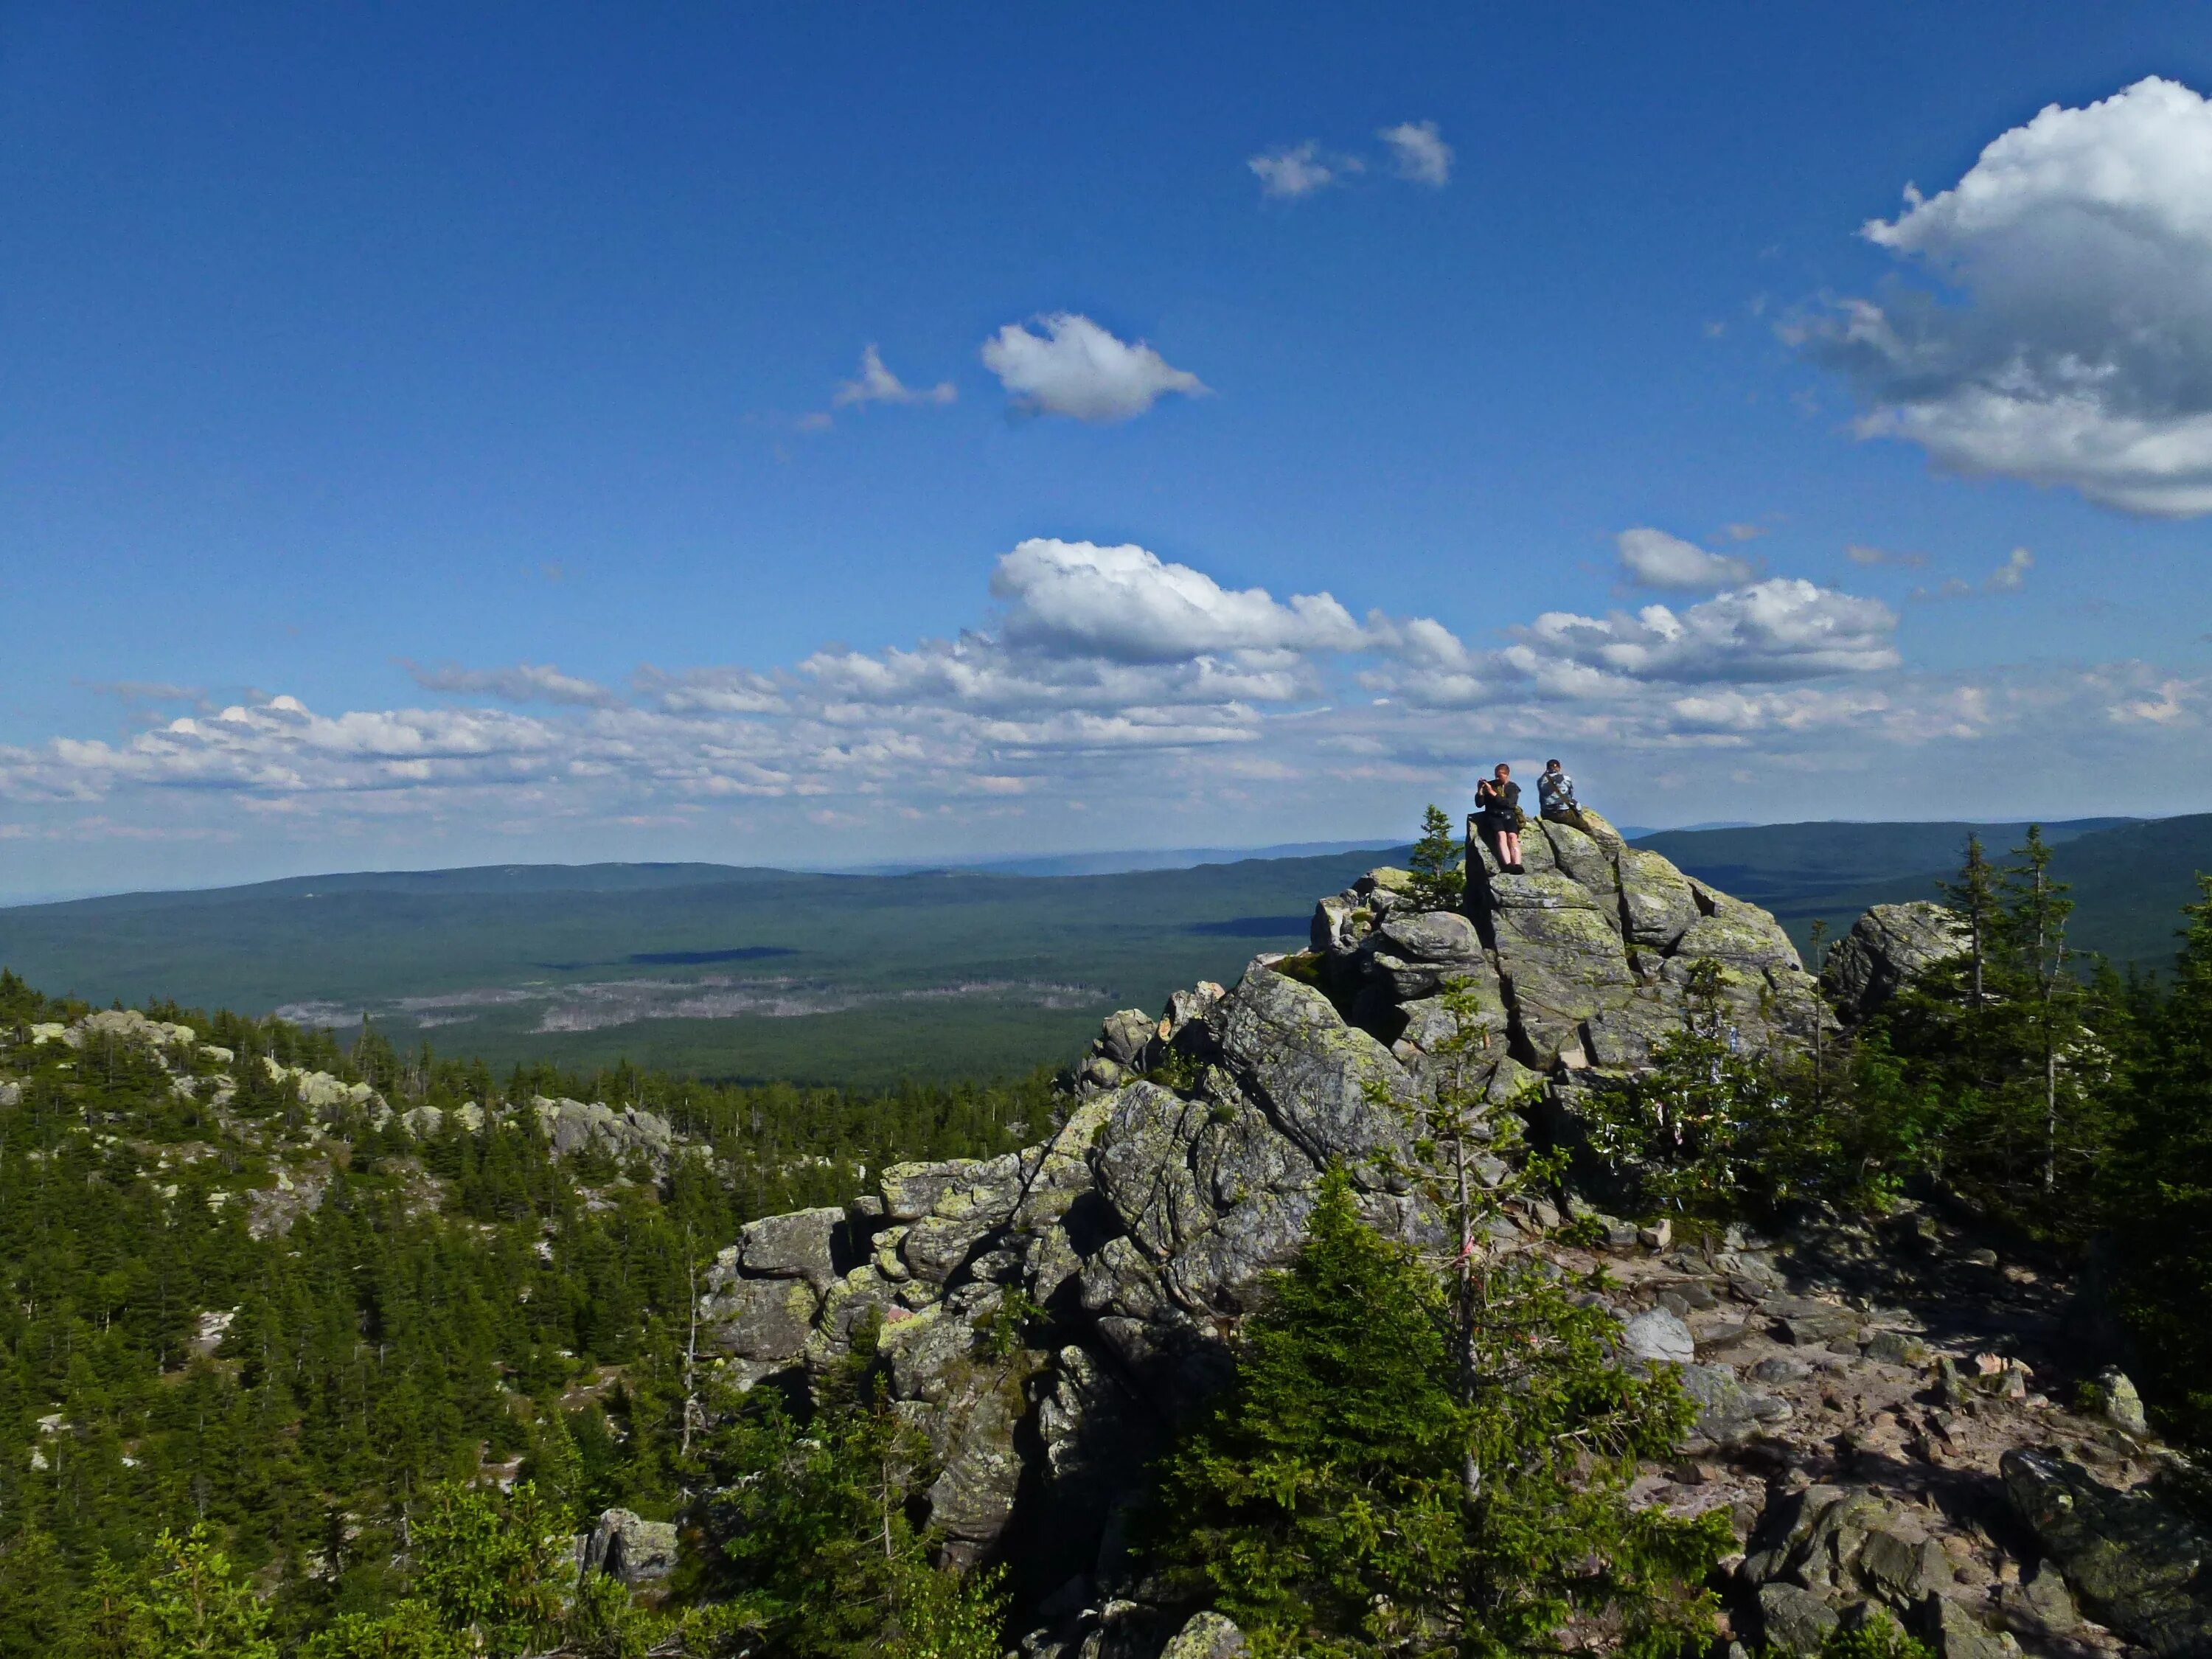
(421, 438)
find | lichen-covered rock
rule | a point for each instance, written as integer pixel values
(1143, 1167)
(1740, 933)
(623, 1545)
(1960, 1635)
(1797, 1620)
(580, 1126)
(2135, 1561)
(1886, 949)
(910, 1190)
(1656, 903)
(757, 1319)
(1313, 1074)
(1440, 935)
(1729, 1412)
(1419, 953)
(1575, 855)
(1207, 1636)
(1657, 1336)
(793, 1246)
(962, 1217)
(2118, 1403)
(1047, 1317)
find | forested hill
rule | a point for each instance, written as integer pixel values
(702, 969)
(282, 1287)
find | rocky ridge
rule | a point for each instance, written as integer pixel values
(1877, 1411)
(299, 1154)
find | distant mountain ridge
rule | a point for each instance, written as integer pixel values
(2130, 876)
(732, 971)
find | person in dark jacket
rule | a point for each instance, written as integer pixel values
(1498, 814)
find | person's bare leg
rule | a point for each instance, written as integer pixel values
(1509, 847)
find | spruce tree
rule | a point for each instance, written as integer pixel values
(1439, 882)
(814, 1543)
(1379, 1480)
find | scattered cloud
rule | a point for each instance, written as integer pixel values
(2007, 578)
(2174, 702)
(1079, 369)
(1297, 171)
(146, 690)
(1418, 153)
(1745, 532)
(1952, 588)
(523, 682)
(1293, 171)
(1107, 675)
(878, 385)
(1861, 553)
(2073, 345)
(2010, 576)
(1652, 558)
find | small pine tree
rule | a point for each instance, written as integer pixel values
(1974, 895)
(1439, 882)
(34, 1596)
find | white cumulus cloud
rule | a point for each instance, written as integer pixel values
(1418, 152)
(1299, 170)
(2075, 345)
(1653, 558)
(1077, 368)
(1780, 629)
(1130, 604)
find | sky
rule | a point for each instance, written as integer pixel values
(821, 435)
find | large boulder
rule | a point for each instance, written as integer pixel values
(1886, 948)
(622, 1545)
(1657, 901)
(793, 1246)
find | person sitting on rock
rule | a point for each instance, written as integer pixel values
(1497, 814)
(1555, 796)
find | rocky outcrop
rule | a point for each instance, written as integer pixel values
(1886, 948)
(1048, 1317)
(1584, 962)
